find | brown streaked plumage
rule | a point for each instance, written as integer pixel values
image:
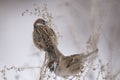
(45, 38)
(70, 65)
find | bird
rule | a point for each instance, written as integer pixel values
(45, 38)
(70, 65)
(43, 35)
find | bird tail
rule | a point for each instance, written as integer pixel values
(91, 53)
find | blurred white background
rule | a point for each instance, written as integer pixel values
(72, 20)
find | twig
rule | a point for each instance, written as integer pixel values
(42, 68)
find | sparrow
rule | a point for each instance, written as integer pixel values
(70, 65)
(45, 38)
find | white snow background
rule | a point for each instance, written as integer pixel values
(72, 21)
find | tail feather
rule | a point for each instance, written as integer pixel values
(91, 53)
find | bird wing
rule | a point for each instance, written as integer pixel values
(71, 60)
(53, 35)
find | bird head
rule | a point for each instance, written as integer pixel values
(40, 22)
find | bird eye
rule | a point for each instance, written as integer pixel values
(44, 23)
